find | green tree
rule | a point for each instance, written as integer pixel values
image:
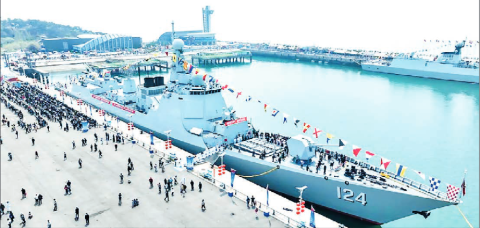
(34, 48)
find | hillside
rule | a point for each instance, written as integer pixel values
(18, 34)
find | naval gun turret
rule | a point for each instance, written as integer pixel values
(301, 147)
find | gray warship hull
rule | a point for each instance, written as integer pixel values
(382, 205)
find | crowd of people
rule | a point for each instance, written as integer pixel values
(40, 105)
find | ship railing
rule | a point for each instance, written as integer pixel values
(424, 188)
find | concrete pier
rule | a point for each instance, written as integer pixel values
(343, 59)
(219, 57)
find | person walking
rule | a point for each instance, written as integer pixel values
(167, 197)
(66, 189)
(100, 154)
(159, 188)
(87, 219)
(200, 186)
(24, 193)
(203, 205)
(80, 163)
(48, 128)
(33, 141)
(36, 155)
(73, 145)
(10, 215)
(24, 222)
(248, 202)
(49, 225)
(116, 146)
(151, 165)
(151, 182)
(69, 187)
(156, 170)
(253, 201)
(191, 184)
(121, 178)
(91, 148)
(77, 213)
(2, 209)
(54, 205)
(40, 198)
(119, 199)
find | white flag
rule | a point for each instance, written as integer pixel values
(422, 175)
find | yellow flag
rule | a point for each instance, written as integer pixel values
(174, 58)
(185, 65)
(330, 136)
(401, 170)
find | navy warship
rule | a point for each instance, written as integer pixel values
(189, 108)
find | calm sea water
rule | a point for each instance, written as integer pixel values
(428, 125)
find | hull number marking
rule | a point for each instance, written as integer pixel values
(348, 195)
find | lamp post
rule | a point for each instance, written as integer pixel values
(168, 135)
(130, 121)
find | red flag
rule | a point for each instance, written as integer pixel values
(356, 150)
(238, 94)
(452, 192)
(316, 132)
(166, 53)
(369, 154)
(464, 187)
(305, 127)
(384, 163)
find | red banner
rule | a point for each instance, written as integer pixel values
(101, 99)
(239, 120)
(113, 104)
(122, 107)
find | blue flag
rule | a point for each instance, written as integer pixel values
(248, 98)
(312, 218)
(275, 112)
(151, 138)
(285, 116)
(232, 172)
(231, 90)
(267, 196)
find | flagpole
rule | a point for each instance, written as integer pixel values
(464, 175)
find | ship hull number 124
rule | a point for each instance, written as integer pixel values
(349, 195)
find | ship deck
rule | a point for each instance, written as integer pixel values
(374, 177)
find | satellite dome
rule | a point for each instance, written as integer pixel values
(177, 44)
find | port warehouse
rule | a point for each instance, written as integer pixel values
(104, 43)
(194, 37)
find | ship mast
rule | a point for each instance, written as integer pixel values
(173, 31)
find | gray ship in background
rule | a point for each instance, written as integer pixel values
(449, 66)
(191, 108)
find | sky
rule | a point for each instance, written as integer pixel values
(363, 24)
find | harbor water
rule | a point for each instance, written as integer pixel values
(427, 125)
